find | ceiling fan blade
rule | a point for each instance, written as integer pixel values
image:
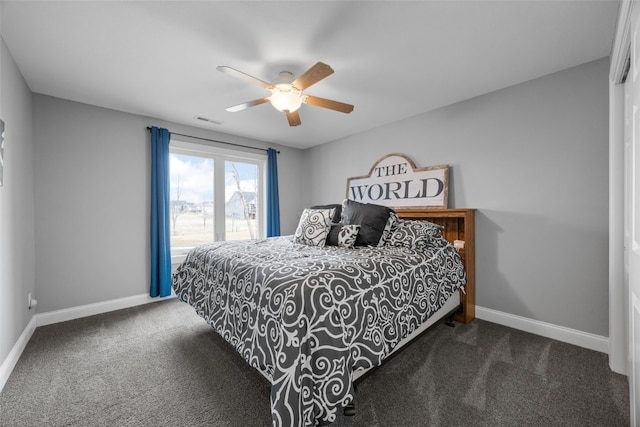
(312, 76)
(244, 76)
(294, 118)
(327, 103)
(246, 105)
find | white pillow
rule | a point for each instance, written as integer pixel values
(313, 227)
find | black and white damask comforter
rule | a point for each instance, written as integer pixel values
(307, 317)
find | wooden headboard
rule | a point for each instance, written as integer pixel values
(459, 224)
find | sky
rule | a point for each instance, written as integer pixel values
(195, 175)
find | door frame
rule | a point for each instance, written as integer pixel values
(619, 355)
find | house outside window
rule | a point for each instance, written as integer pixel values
(216, 194)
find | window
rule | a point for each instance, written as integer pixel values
(216, 194)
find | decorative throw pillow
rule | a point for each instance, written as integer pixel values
(343, 235)
(389, 228)
(313, 227)
(371, 218)
(337, 213)
(413, 233)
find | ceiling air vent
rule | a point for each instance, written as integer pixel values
(204, 119)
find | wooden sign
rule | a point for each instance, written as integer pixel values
(396, 182)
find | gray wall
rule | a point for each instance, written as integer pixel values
(16, 205)
(533, 160)
(92, 200)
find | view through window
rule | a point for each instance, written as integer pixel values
(214, 196)
(241, 200)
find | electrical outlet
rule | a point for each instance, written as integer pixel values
(29, 300)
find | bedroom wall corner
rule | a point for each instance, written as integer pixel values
(17, 251)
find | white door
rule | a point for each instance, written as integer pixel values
(632, 211)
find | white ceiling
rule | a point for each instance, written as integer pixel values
(392, 59)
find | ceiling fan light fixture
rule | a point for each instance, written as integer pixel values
(286, 91)
(286, 98)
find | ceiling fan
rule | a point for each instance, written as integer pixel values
(287, 93)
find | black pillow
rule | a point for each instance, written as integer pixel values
(332, 237)
(371, 218)
(336, 215)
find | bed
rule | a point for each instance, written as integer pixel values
(313, 318)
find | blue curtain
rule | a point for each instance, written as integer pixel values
(273, 200)
(160, 216)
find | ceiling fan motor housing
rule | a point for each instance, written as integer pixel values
(284, 77)
(285, 97)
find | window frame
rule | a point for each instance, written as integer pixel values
(219, 157)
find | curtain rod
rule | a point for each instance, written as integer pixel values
(215, 140)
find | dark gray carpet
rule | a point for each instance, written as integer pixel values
(161, 365)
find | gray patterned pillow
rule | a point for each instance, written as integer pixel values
(337, 214)
(389, 228)
(415, 234)
(313, 227)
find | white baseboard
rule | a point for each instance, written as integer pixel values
(560, 333)
(14, 355)
(72, 313)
